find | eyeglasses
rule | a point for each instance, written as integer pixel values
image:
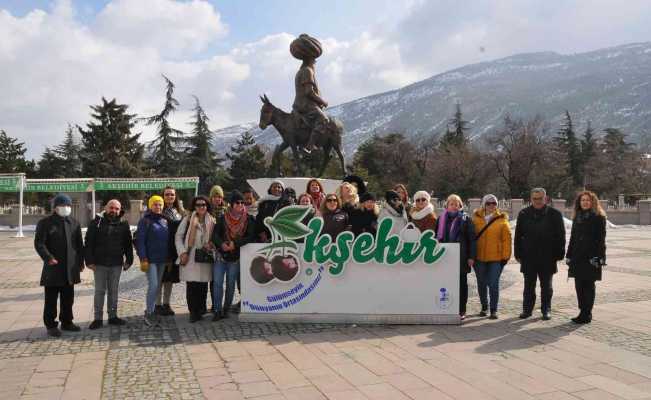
(491, 203)
(420, 200)
(170, 195)
(200, 205)
(537, 198)
(331, 200)
(238, 202)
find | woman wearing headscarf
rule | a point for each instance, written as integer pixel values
(364, 218)
(233, 230)
(394, 209)
(455, 226)
(195, 254)
(267, 207)
(335, 219)
(174, 213)
(152, 240)
(422, 213)
(493, 251)
(401, 189)
(586, 253)
(316, 192)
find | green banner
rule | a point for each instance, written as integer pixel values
(10, 184)
(143, 185)
(69, 187)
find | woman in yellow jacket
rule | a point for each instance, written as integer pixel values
(493, 251)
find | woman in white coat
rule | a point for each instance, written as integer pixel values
(196, 255)
(394, 209)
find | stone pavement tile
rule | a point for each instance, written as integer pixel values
(269, 358)
(303, 393)
(374, 362)
(249, 376)
(523, 382)
(555, 396)
(50, 391)
(382, 391)
(85, 378)
(299, 355)
(427, 394)
(487, 384)
(417, 350)
(545, 375)
(56, 363)
(357, 375)
(272, 397)
(242, 365)
(346, 395)
(284, 375)
(405, 381)
(614, 387)
(317, 372)
(447, 383)
(216, 394)
(331, 383)
(544, 360)
(615, 373)
(257, 347)
(46, 379)
(214, 371)
(635, 363)
(595, 394)
(231, 349)
(256, 389)
(644, 386)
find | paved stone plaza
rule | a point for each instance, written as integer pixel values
(504, 359)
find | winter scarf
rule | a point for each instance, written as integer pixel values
(452, 227)
(418, 215)
(235, 224)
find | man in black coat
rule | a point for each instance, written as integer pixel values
(539, 245)
(59, 244)
(108, 250)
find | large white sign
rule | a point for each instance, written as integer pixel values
(385, 278)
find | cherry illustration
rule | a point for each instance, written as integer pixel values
(285, 268)
(261, 270)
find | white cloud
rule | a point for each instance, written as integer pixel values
(172, 28)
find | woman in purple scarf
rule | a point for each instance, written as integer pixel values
(455, 226)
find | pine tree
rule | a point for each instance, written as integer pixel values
(569, 146)
(457, 136)
(109, 148)
(247, 161)
(12, 155)
(164, 150)
(621, 161)
(588, 153)
(68, 153)
(201, 160)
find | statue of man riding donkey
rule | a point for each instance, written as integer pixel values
(307, 127)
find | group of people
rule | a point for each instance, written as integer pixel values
(201, 245)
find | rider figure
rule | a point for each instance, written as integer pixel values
(308, 103)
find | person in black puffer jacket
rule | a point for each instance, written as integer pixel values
(107, 251)
(267, 207)
(586, 253)
(364, 217)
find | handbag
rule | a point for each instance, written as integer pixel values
(204, 256)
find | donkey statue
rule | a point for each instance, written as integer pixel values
(295, 131)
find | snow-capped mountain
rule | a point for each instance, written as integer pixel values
(610, 87)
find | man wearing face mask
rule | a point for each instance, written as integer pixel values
(59, 243)
(108, 250)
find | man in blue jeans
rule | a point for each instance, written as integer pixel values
(108, 250)
(233, 229)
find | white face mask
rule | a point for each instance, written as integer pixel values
(64, 211)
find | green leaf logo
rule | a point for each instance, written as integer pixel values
(287, 222)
